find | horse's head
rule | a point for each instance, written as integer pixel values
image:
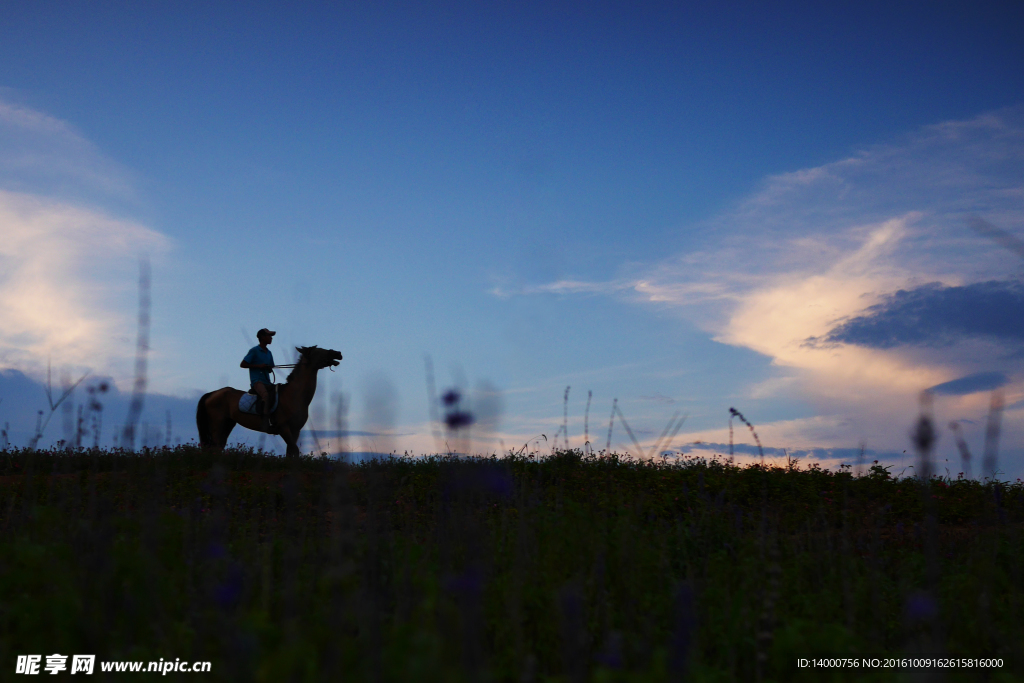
(319, 358)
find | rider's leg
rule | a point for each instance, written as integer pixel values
(261, 390)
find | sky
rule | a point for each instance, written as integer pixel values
(805, 212)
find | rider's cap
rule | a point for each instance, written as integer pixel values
(265, 331)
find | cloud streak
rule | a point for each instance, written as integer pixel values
(971, 384)
(863, 281)
(45, 155)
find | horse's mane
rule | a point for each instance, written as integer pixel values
(302, 356)
(304, 352)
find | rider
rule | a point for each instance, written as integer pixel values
(260, 362)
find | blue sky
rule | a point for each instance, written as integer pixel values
(684, 209)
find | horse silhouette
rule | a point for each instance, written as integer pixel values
(218, 413)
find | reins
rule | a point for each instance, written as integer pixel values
(292, 365)
(295, 365)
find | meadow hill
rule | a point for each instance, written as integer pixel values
(520, 568)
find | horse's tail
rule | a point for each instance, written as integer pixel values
(203, 422)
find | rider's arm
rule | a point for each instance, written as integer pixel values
(258, 366)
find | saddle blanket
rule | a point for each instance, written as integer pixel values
(248, 403)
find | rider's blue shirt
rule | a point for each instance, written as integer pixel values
(257, 356)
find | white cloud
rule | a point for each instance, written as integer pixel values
(777, 318)
(64, 268)
(68, 269)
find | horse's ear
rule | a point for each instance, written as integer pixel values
(301, 349)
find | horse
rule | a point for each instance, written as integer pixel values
(218, 413)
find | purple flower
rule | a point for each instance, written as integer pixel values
(611, 655)
(215, 551)
(469, 582)
(457, 419)
(498, 481)
(229, 591)
(921, 606)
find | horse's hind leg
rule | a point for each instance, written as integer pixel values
(222, 432)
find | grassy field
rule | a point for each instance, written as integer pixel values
(564, 568)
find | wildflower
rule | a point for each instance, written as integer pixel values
(229, 591)
(457, 419)
(921, 606)
(454, 418)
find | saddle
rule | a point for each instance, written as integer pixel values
(251, 403)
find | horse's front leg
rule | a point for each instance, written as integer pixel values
(290, 440)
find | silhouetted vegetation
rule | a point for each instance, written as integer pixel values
(569, 567)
